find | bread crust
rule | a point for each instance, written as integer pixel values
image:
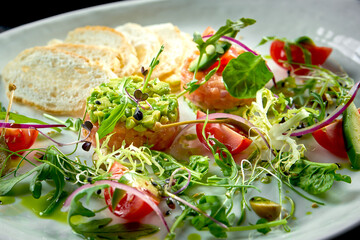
(88, 56)
(54, 80)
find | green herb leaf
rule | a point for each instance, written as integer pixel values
(108, 125)
(263, 230)
(51, 169)
(199, 164)
(6, 184)
(318, 99)
(245, 75)
(314, 177)
(198, 169)
(101, 228)
(218, 211)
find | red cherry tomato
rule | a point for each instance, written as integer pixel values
(318, 55)
(130, 207)
(224, 60)
(331, 138)
(231, 137)
(19, 139)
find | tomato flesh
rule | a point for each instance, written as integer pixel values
(318, 55)
(224, 60)
(331, 138)
(130, 207)
(19, 139)
(231, 137)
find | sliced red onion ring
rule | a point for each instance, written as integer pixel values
(128, 189)
(187, 183)
(337, 112)
(25, 125)
(237, 119)
(65, 144)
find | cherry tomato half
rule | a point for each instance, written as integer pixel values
(20, 138)
(331, 138)
(130, 207)
(318, 55)
(234, 139)
(224, 60)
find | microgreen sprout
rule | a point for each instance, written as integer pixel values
(147, 73)
(86, 144)
(141, 95)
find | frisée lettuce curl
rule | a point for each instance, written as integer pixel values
(269, 113)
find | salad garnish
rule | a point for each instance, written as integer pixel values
(212, 173)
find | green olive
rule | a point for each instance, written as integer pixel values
(265, 208)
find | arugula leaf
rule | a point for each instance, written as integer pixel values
(45, 171)
(49, 172)
(54, 167)
(6, 184)
(108, 125)
(318, 99)
(223, 158)
(198, 164)
(314, 177)
(218, 211)
(245, 75)
(101, 228)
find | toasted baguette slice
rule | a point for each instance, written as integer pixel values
(54, 80)
(108, 37)
(171, 57)
(146, 43)
(104, 56)
(176, 47)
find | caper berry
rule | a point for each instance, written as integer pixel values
(138, 115)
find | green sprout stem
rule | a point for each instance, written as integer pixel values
(152, 66)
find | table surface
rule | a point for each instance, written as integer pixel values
(35, 10)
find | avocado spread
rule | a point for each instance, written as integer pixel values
(160, 106)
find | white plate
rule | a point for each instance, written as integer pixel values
(329, 22)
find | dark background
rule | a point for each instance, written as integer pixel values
(14, 13)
